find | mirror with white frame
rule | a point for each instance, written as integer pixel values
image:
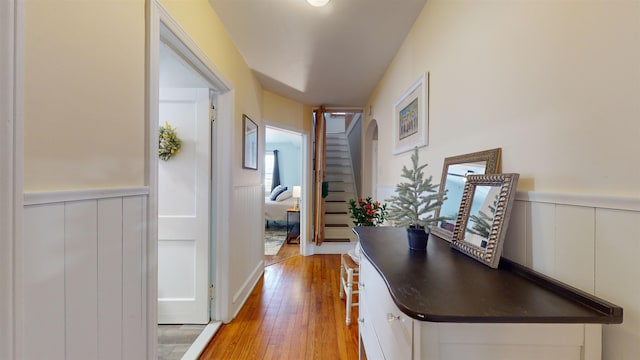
(454, 172)
(483, 217)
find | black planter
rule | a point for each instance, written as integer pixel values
(418, 238)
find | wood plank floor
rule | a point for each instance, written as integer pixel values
(285, 252)
(294, 312)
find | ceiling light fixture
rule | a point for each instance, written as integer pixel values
(318, 3)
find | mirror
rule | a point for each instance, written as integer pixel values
(454, 173)
(484, 216)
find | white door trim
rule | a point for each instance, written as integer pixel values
(11, 165)
(7, 50)
(162, 27)
(305, 179)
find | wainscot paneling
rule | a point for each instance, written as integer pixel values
(247, 244)
(589, 242)
(83, 285)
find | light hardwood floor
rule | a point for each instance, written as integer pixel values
(286, 251)
(293, 313)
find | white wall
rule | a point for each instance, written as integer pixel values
(555, 85)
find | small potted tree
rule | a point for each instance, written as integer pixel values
(414, 205)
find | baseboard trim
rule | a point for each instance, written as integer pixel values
(247, 287)
(202, 341)
(333, 248)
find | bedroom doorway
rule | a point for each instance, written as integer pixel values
(283, 179)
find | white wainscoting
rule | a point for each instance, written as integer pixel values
(246, 234)
(83, 284)
(589, 242)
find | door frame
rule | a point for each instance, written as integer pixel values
(11, 164)
(163, 28)
(305, 211)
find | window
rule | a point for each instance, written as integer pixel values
(268, 171)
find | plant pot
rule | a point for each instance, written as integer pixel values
(418, 238)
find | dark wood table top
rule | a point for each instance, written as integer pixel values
(444, 285)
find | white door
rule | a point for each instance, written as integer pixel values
(183, 210)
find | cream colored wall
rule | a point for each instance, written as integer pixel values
(286, 112)
(84, 84)
(554, 83)
(202, 24)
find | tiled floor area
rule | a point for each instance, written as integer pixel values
(175, 340)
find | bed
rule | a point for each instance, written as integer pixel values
(277, 210)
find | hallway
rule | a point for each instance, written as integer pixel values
(294, 312)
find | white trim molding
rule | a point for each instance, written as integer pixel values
(11, 163)
(596, 201)
(247, 286)
(48, 197)
(7, 49)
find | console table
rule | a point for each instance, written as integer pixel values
(441, 304)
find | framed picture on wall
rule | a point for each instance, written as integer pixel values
(249, 144)
(410, 117)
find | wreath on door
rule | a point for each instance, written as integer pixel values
(169, 143)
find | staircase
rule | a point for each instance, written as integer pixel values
(339, 174)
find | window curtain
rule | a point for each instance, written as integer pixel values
(320, 164)
(275, 178)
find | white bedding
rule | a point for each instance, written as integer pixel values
(277, 210)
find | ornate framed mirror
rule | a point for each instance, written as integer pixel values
(484, 216)
(454, 172)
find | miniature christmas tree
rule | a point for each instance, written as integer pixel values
(416, 200)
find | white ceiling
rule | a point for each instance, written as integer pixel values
(331, 56)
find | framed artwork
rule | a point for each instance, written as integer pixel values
(249, 144)
(410, 117)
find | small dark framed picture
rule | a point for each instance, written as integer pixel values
(249, 144)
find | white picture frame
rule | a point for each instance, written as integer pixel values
(411, 117)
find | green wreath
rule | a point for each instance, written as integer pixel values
(169, 143)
